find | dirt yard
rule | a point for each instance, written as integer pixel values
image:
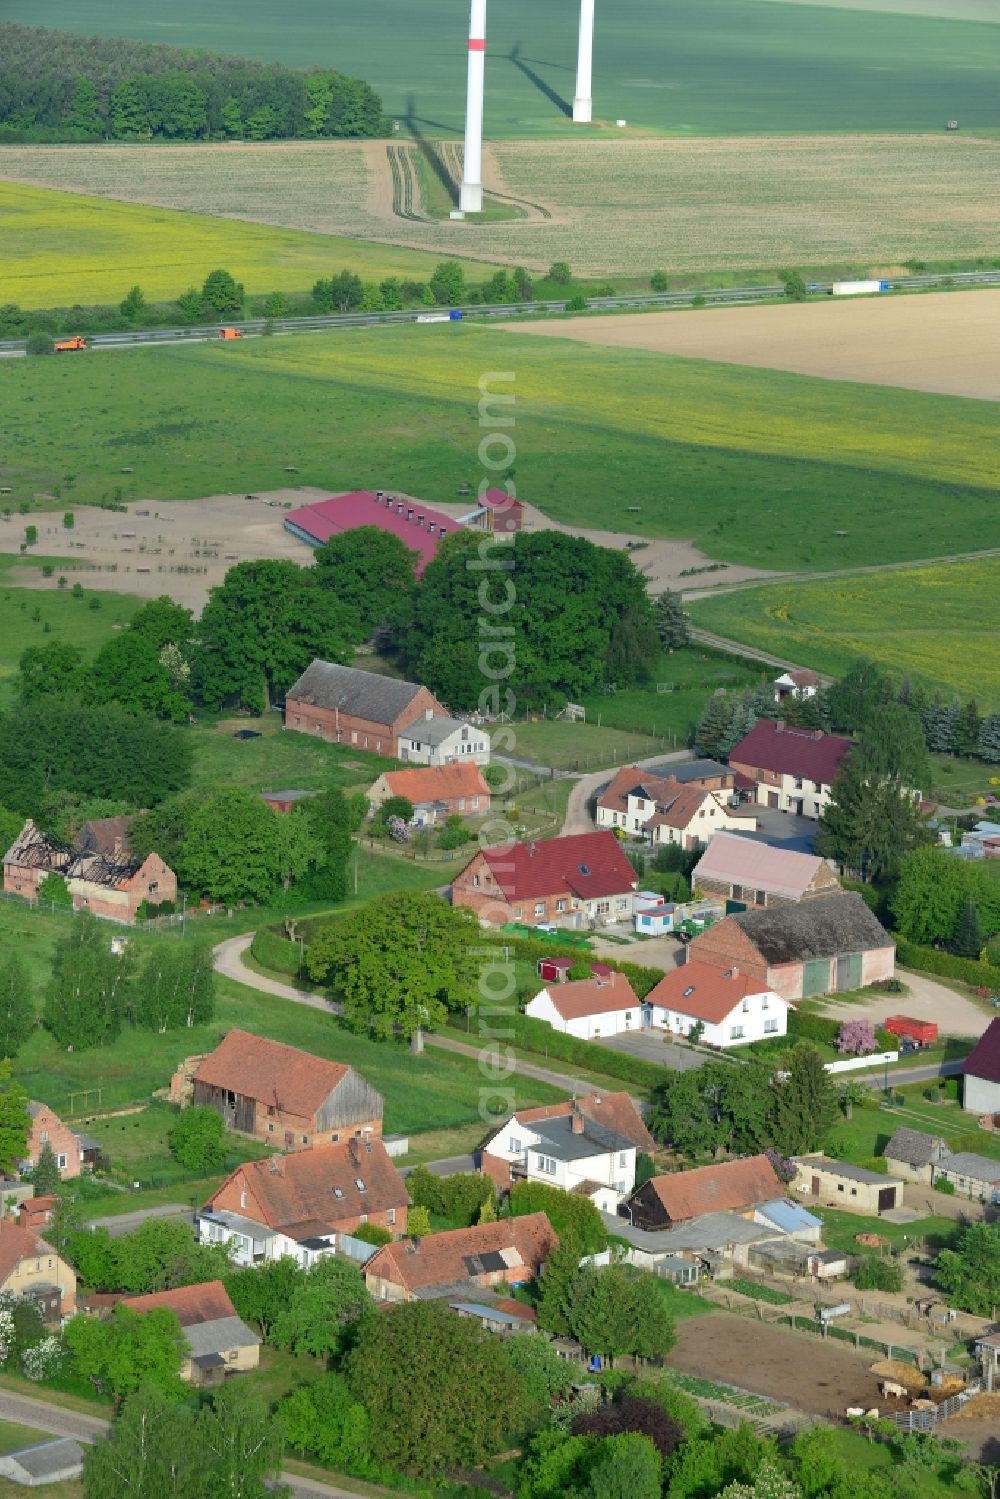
(187, 547)
(946, 341)
(927, 1000)
(822, 1378)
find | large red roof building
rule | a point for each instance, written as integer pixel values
(416, 524)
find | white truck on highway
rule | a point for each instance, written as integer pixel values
(858, 288)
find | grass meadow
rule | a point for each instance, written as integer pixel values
(936, 624)
(703, 67)
(755, 466)
(61, 249)
(30, 616)
(435, 1091)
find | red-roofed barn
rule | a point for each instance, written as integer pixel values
(581, 881)
(285, 1096)
(416, 524)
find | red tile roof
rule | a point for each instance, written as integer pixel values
(434, 783)
(728, 1187)
(715, 992)
(579, 997)
(202, 1303)
(271, 1072)
(346, 512)
(17, 1243)
(300, 1191)
(984, 1058)
(788, 751)
(616, 1111)
(443, 1259)
(589, 865)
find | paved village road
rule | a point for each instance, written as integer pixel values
(229, 961)
(27, 1411)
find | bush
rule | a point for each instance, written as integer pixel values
(576, 304)
(458, 1197)
(275, 952)
(943, 1185)
(198, 1140)
(40, 343)
(875, 1274)
(818, 1028)
(371, 1233)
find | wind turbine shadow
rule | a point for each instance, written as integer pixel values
(563, 105)
(426, 149)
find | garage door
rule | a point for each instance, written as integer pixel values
(886, 1199)
(849, 971)
(815, 977)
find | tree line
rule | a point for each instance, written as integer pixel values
(222, 296)
(60, 87)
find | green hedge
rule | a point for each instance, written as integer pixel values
(278, 954)
(537, 1036)
(807, 1027)
(930, 960)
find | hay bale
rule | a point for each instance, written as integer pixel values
(900, 1373)
(985, 1407)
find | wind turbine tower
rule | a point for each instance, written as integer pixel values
(583, 104)
(470, 198)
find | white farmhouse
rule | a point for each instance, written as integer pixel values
(589, 1008)
(733, 1008)
(434, 739)
(572, 1151)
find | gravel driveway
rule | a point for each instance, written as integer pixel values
(956, 1014)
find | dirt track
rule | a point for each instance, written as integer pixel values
(944, 341)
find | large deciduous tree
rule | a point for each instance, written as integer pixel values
(970, 1272)
(261, 628)
(17, 1009)
(91, 750)
(371, 574)
(438, 1388)
(88, 993)
(55, 669)
(400, 965)
(561, 613)
(176, 988)
(235, 848)
(15, 1121)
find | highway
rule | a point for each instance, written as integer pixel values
(652, 301)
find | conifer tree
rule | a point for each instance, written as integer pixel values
(988, 748)
(967, 941)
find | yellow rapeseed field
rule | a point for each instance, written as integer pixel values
(58, 249)
(936, 623)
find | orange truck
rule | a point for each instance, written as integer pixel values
(64, 345)
(230, 333)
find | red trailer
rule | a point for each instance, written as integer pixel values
(924, 1032)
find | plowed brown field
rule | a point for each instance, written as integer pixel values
(945, 341)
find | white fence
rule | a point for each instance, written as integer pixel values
(852, 1064)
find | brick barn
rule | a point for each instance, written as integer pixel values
(344, 705)
(284, 1096)
(819, 946)
(110, 885)
(510, 1252)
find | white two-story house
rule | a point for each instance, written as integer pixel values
(732, 1008)
(433, 739)
(570, 1151)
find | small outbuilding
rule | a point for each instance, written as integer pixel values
(914, 1155)
(972, 1175)
(839, 1184)
(43, 1463)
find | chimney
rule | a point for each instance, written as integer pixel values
(576, 1121)
(400, 507)
(118, 851)
(531, 850)
(379, 496)
(420, 520)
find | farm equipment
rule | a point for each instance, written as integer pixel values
(66, 344)
(230, 333)
(922, 1032)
